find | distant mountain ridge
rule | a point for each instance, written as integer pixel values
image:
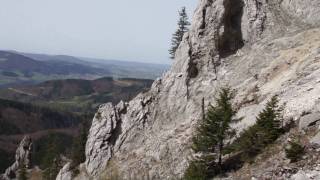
(16, 62)
(29, 68)
(118, 68)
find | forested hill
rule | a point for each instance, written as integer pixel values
(22, 118)
(77, 95)
(17, 68)
(18, 119)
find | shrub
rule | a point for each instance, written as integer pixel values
(202, 168)
(22, 173)
(267, 129)
(197, 170)
(295, 151)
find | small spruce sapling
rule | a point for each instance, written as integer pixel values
(295, 151)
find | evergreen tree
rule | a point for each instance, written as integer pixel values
(267, 129)
(52, 150)
(197, 170)
(212, 135)
(79, 145)
(249, 143)
(295, 151)
(183, 24)
(22, 174)
(52, 171)
(270, 120)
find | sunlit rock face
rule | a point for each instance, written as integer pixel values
(258, 47)
(22, 159)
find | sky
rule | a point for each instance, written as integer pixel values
(133, 30)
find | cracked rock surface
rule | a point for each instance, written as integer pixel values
(258, 47)
(22, 158)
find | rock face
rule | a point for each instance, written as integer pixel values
(65, 173)
(309, 120)
(22, 158)
(258, 47)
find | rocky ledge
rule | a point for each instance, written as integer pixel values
(22, 159)
(258, 47)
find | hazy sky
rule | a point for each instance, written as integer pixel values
(135, 30)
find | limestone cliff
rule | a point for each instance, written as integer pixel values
(258, 47)
(22, 159)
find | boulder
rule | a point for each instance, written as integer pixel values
(308, 120)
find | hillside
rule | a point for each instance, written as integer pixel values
(259, 48)
(17, 69)
(29, 67)
(25, 68)
(118, 68)
(77, 95)
(18, 119)
(55, 124)
(22, 118)
(263, 50)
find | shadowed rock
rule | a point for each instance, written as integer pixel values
(258, 47)
(22, 159)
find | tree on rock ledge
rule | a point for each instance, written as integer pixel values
(211, 137)
(183, 24)
(267, 129)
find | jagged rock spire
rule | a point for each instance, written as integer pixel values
(22, 159)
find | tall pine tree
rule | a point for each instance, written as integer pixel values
(271, 120)
(183, 24)
(212, 134)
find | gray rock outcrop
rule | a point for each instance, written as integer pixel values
(259, 47)
(22, 159)
(65, 173)
(309, 120)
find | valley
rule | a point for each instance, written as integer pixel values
(241, 100)
(77, 95)
(18, 119)
(54, 112)
(25, 68)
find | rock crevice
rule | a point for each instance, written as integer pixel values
(246, 46)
